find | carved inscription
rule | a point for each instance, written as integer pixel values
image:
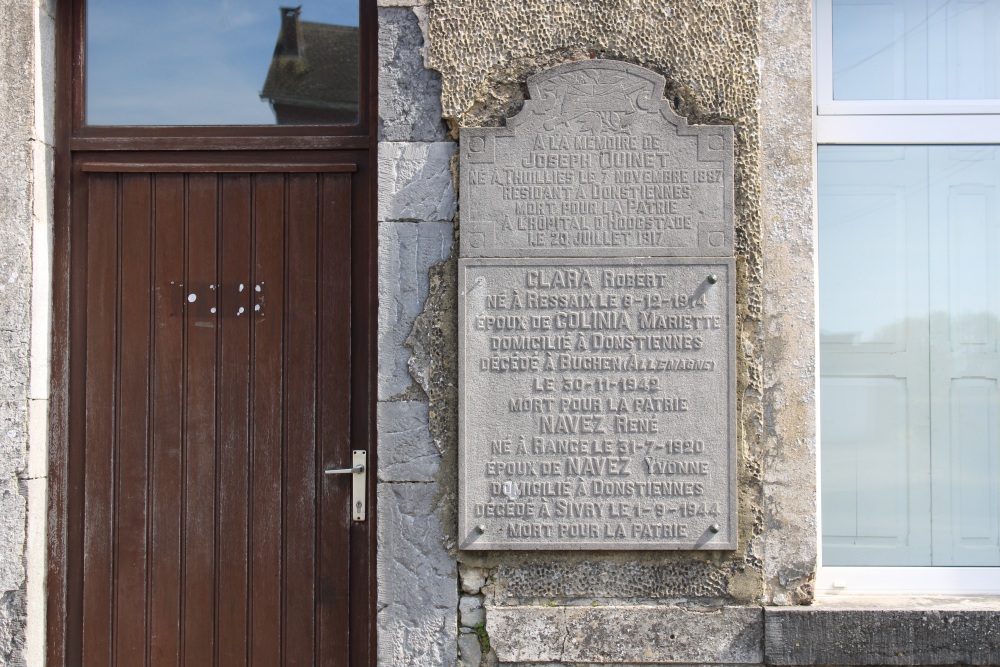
(596, 404)
(597, 164)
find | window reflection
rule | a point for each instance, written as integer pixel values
(916, 49)
(313, 76)
(221, 62)
(910, 354)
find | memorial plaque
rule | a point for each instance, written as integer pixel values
(597, 403)
(597, 164)
(597, 387)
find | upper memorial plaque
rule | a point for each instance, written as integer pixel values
(597, 164)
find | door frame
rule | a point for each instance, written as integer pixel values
(253, 144)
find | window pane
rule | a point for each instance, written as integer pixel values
(221, 62)
(909, 242)
(915, 49)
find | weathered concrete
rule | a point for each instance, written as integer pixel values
(611, 576)
(417, 580)
(406, 252)
(17, 183)
(406, 450)
(895, 631)
(622, 634)
(409, 96)
(789, 310)
(414, 181)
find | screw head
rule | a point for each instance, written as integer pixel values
(714, 528)
(713, 279)
(480, 529)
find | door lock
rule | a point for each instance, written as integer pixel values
(360, 474)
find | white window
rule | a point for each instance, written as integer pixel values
(908, 133)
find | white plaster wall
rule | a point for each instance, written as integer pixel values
(43, 141)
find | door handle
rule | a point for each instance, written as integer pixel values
(360, 474)
(344, 471)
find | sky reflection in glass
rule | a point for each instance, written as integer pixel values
(187, 62)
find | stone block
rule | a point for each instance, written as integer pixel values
(13, 438)
(597, 578)
(789, 324)
(13, 508)
(48, 6)
(41, 307)
(14, 364)
(45, 75)
(912, 633)
(403, 3)
(626, 634)
(15, 259)
(406, 253)
(473, 578)
(414, 181)
(469, 651)
(417, 580)
(409, 95)
(34, 650)
(470, 611)
(406, 451)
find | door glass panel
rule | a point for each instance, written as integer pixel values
(221, 62)
(910, 362)
(915, 49)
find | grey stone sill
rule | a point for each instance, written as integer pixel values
(885, 630)
(906, 602)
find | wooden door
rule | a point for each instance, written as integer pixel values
(212, 358)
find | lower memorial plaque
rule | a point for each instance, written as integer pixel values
(597, 404)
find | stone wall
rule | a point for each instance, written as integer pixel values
(455, 63)
(725, 62)
(26, 139)
(417, 576)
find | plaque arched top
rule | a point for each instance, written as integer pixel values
(597, 164)
(591, 91)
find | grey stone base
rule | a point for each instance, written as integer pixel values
(626, 634)
(902, 631)
(860, 631)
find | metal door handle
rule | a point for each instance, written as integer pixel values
(358, 470)
(343, 471)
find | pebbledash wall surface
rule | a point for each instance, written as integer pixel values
(452, 64)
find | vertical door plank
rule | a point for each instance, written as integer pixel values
(101, 331)
(334, 417)
(133, 422)
(166, 489)
(266, 314)
(301, 466)
(200, 430)
(234, 320)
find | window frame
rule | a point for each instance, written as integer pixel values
(221, 137)
(826, 105)
(889, 122)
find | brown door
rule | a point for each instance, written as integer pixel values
(217, 366)
(213, 347)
